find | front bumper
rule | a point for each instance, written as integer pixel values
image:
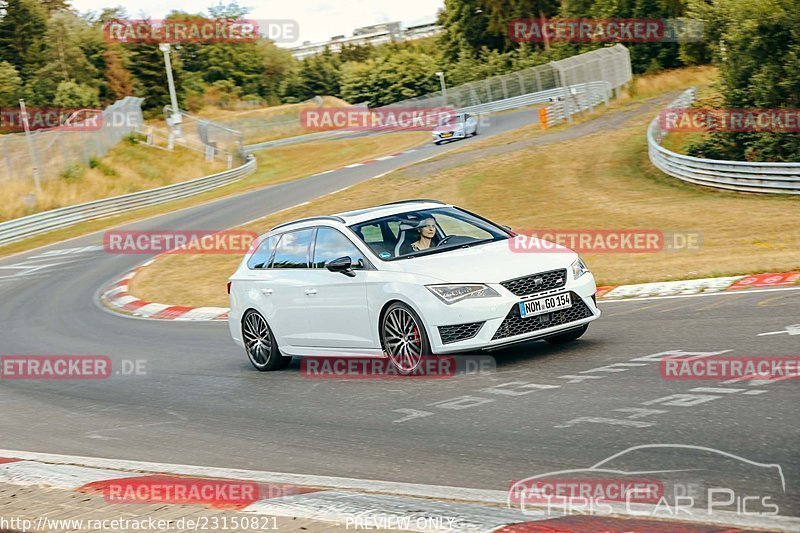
(440, 136)
(499, 321)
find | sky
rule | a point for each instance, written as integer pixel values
(318, 20)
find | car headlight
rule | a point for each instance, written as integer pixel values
(453, 293)
(579, 268)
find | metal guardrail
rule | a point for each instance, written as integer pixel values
(781, 178)
(36, 224)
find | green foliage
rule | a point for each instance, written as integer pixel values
(71, 94)
(22, 34)
(758, 51)
(74, 172)
(10, 84)
(386, 80)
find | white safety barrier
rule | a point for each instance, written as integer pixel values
(782, 178)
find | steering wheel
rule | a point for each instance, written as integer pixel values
(443, 241)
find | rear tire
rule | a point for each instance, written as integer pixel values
(567, 336)
(260, 345)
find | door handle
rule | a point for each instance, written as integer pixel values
(266, 292)
(310, 292)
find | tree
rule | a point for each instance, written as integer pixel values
(119, 82)
(71, 94)
(319, 75)
(10, 84)
(390, 79)
(64, 58)
(22, 34)
(758, 53)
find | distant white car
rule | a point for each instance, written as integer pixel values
(402, 280)
(458, 126)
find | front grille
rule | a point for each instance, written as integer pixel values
(459, 332)
(544, 281)
(514, 324)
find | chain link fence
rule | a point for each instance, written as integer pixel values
(212, 139)
(48, 153)
(611, 65)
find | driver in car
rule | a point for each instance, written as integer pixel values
(427, 234)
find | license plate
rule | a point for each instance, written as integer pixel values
(541, 306)
(448, 134)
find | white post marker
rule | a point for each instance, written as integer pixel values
(31, 149)
(175, 119)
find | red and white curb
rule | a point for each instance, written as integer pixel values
(362, 163)
(117, 297)
(698, 286)
(356, 503)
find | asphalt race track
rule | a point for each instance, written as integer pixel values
(544, 408)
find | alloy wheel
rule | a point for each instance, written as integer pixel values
(402, 340)
(257, 339)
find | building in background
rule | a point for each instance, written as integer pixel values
(375, 34)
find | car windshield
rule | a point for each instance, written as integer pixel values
(426, 231)
(451, 120)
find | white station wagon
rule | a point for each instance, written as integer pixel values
(402, 280)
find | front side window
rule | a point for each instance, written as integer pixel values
(293, 249)
(332, 244)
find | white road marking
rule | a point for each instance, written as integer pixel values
(715, 390)
(794, 329)
(412, 414)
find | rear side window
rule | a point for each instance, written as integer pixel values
(260, 258)
(293, 249)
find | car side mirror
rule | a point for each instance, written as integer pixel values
(343, 265)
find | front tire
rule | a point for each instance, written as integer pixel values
(567, 336)
(260, 345)
(403, 338)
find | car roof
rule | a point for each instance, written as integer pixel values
(362, 215)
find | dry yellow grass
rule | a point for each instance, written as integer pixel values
(261, 124)
(126, 168)
(594, 182)
(275, 165)
(215, 113)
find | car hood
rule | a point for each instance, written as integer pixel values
(484, 263)
(448, 129)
